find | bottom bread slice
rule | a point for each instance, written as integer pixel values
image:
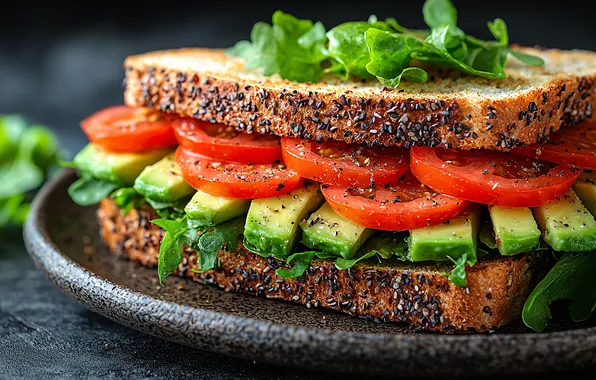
(391, 291)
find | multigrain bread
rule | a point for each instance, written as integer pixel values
(392, 291)
(450, 110)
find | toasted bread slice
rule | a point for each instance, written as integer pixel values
(392, 292)
(450, 110)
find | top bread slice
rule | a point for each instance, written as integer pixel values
(451, 110)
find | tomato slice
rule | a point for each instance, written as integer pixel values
(338, 163)
(128, 129)
(575, 145)
(490, 177)
(225, 143)
(405, 205)
(236, 180)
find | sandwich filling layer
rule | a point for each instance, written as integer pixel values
(296, 201)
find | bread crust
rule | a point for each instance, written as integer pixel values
(363, 112)
(396, 292)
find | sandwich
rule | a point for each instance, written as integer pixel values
(424, 177)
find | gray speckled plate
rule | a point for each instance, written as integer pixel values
(62, 238)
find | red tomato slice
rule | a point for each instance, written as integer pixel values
(490, 177)
(236, 180)
(405, 205)
(128, 129)
(338, 163)
(574, 144)
(222, 142)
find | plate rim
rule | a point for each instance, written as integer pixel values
(48, 258)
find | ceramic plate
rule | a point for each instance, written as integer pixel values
(63, 240)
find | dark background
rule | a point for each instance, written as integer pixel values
(60, 61)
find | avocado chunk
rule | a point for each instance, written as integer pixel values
(515, 229)
(272, 223)
(566, 224)
(118, 168)
(162, 181)
(585, 189)
(451, 239)
(211, 210)
(333, 234)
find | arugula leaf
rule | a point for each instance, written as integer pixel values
(170, 250)
(251, 248)
(343, 264)
(126, 199)
(290, 47)
(390, 56)
(205, 240)
(452, 50)
(301, 262)
(388, 245)
(438, 13)
(528, 59)
(458, 274)
(87, 191)
(498, 28)
(572, 278)
(168, 210)
(222, 236)
(486, 235)
(261, 52)
(348, 47)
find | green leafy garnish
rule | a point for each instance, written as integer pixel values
(438, 13)
(205, 240)
(349, 50)
(301, 262)
(87, 190)
(290, 47)
(170, 250)
(384, 246)
(486, 235)
(458, 274)
(28, 155)
(301, 51)
(126, 199)
(224, 236)
(388, 245)
(572, 278)
(168, 210)
(343, 264)
(390, 55)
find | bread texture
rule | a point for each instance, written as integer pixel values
(451, 110)
(391, 291)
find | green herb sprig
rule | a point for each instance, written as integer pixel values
(302, 51)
